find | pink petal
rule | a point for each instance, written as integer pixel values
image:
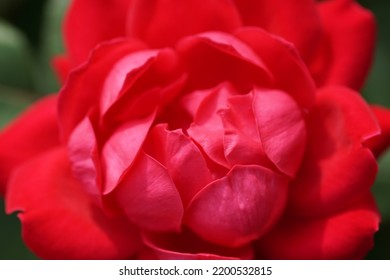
(281, 128)
(238, 208)
(188, 246)
(89, 23)
(344, 235)
(32, 133)
(121, 148)
(350, 35)
(149, 197)
(84, 157)
(182, 159)
(59, 220)
(156, 21)
(337, 169)
(290, 73)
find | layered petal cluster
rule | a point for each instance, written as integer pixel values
(232, 136)
(335, 38)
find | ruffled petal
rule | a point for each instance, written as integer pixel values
(182, 159)
(59, 220)
(156, 22)
(349, 33)
(380, 143)
(348, 234)
(149, 197)
(207, 127)
(241, 139)
(225, 57)
(89, 23)
(337, 169)
(83, 88)
(32, 133)
(290, 74)
(238, 208)
(187, 246)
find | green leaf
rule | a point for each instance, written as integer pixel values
(52, 44)
(15, 57)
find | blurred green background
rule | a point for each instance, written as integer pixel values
(30, 33)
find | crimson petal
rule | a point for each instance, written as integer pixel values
(88, 23)
(32, 133)
(59, 220)
(350, 34)
(344, 235)
(380, 143)
(337, 169)
(156, 21)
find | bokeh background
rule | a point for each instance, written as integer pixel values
(30, 34)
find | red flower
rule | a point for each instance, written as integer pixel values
(191, 143)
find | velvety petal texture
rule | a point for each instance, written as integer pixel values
(337, 168)
(59, 220)
(97, 25)
(349, 41)
(32, 133)
(156, 21)
(344, 235)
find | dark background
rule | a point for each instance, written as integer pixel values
(30, 35)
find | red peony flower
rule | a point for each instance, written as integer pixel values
(209, 140)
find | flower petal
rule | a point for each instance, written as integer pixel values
(350, 34)
(281, 128)
(344, 235)
(156, 21)
(182, 159)
(380, 143)
(207, 128)
(337, 169)
(296, 21)
(84, 158)
(289, 72)
(59, 220)
(238, 208)
(225, 57)
(121, 148)
(187, 246)
(149, 197)
(32, 133)
(242, 144)
(89, 23)
(83, 88)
